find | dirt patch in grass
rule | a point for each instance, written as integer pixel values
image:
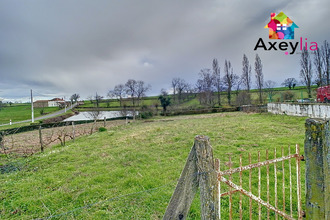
(28, 143)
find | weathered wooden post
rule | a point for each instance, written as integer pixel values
(73, 132)
(198, 171)
(40, 139)
(317, 142)
(208, 180)
(104, 121)
(2, 135)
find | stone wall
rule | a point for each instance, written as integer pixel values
(312, 110)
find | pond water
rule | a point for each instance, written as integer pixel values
(83, 116)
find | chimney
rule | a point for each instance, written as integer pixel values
(272, 16)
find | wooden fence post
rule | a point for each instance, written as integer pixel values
(198, 171)
(2, 135)
(317, 143)
(208, 181)
(40, 139)
(73, 132)
(104, 121)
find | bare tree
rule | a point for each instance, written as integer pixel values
(136, 90)
(131, 89)
(94, 115)
(175, 82)
(217, 79)
(243, 98)
(91, 99)
(306, 71)
(239, 82)
(188, 91)
(290, 83)
(75, 97)
(246, 73)
(326, 60)
(269, 88)
(98, 100)
(141, 90)
(318, 66)
(259, 76)
(180, 88)
(118, 92)
(205, 85)
(230, 79)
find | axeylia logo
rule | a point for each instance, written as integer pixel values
(281, 27)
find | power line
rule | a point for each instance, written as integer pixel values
(35, 92)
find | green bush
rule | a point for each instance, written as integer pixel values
(147, 114)
(101, 129)
(214, 110)
(288, 95)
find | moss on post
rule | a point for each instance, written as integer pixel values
(317, 169)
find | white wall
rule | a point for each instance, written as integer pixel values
(52, 103)
(310, 110)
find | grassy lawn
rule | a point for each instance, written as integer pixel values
(96, 170)
(21, 112)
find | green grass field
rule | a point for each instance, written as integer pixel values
(20, 112)
(298, 93)
(116, 174)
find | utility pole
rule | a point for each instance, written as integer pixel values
(64, 105)
(32, 107)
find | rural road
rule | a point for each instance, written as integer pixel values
(44, 116)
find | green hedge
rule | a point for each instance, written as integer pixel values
(200, 111)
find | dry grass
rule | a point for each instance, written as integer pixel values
(28, 143)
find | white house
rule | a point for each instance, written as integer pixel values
(56, 102)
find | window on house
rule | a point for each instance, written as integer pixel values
(281, 27)
(278, 27)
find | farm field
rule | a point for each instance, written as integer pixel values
(193, 102)
(21, 112)
(130, 171)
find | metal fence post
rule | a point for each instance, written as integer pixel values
(317, 143)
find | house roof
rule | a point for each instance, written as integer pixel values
(56, 99)
(280, 18)
(40, 101)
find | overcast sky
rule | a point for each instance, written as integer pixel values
(61, 47)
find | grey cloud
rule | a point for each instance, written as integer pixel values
(61, 47)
